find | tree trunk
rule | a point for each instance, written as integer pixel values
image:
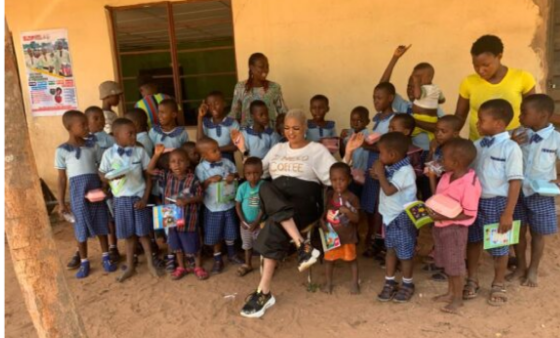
(28, 231)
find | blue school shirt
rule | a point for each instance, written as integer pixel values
(315, 132)
(540, 153)
(145, 140)
(498, 161)
(204, 171)
(77, 160)
(277, 138)
(170, 139)
(401, 105)
(133, 183)
(249, 199)
(381, 125)
(360, 155)
(103, 140)
(220, 131)
(401, 175)
(258, 143)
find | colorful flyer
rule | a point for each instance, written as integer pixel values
(493, 239)
(168, 216)
(226, 192)
(330, 239)
(50, 80)
(418, 214)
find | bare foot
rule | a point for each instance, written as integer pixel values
(446, 298)
(518, 273)
(327, 288)
(355, 289)
(530, 279)
(453, 306)
(126, 274)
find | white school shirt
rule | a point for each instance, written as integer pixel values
(404, 179)
(133, 183)
(431, 95)
(110, 117)
(498, 164)
(311, 163)
(540, 153)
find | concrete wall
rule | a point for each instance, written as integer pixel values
(335, 47)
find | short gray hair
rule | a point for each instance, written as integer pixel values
(297, 114)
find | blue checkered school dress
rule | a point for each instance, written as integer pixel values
(400, 235)
(370, 191)
(538, 212)
(92, 219)
(129, 221)
(489, 212)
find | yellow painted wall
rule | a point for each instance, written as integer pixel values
(335, 47)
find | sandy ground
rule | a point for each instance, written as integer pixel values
(149, 307)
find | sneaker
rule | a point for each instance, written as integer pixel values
(114, 255)
(307, 256)
(170, 265)
(157, 262)
(74, 262)
(236, 260)
(84, 270)
(256, 304)
(218, 267)
(108, 265)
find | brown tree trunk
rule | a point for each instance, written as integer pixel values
(28, 231)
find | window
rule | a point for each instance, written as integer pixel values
(187, 47)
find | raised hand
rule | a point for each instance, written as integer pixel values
(401, 50)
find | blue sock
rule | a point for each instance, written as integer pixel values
(230, 248)
(218, 257)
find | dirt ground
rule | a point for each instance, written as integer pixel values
(149, 307)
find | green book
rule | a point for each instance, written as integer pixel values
(226, 192)
(418, 214)
(493, 239)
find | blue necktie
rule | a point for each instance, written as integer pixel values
(123, 151)
(535, 138)
(487, 142)
(216, 164)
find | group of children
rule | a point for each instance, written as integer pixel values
(492, 178)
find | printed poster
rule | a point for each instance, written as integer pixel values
(48, 65)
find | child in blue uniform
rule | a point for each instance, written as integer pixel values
(140, 120)
(259, 137)
(318, 127)
(167, 132)
(359, 119)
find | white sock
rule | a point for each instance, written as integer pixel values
(407, 280)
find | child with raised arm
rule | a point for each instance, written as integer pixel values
(359, 119)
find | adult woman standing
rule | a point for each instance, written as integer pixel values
(293, 200)
(257, 87)
(492, 80)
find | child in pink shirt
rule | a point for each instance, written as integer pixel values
(450, 235)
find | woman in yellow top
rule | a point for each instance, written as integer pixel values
(492, 80)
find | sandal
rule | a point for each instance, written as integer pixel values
(200, 273)
(388, 292)
(405, 293)
(243, 270)
(498, 296)
(470, 290)
(179, 273)
(431, 267)
(439, 277)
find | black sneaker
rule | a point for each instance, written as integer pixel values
(74, 262)
(256, 304)
(307, 256)
(114, 255)
(170, 265)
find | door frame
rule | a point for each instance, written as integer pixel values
(550, 44)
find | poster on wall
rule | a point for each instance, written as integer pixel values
(48, 65)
